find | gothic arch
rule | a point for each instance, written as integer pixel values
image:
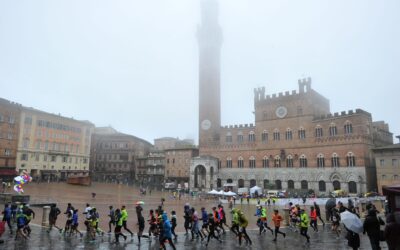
(335, 176)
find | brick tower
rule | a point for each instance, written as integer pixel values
(210, 39)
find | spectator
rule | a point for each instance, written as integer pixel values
(392, 232)
(372, 228)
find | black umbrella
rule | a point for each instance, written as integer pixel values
(330, 203)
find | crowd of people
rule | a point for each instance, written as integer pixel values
(205, 225)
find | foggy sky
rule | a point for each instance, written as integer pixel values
(133, 64)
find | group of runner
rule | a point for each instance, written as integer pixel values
(21, 215)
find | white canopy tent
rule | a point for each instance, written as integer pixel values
(229, 193)
(256, 188)
(213, 192)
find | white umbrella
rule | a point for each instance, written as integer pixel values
(229, 193)
(351, 221)
(221, 192)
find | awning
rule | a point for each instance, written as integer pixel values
(8, 172)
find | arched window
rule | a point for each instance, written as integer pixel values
(228, 138)
(303, 161)
(240, 183)
(278, 184)
(266, 184)
(304, 184)
(219, 183)
(352, 187)
(277, 135)
(229, 162)
(289, 161)
(252, 162)
(335, 160)
(289, 135)
(253, 183)
(240, 162)
(302, 133)
(332, 129)
(240, 137)
(336, 185)
(252, 137)
(320, 161)
(290, 184)
(318, 131)
(322, 186)
(351, 160)
(265, 162)
(264, 136)
(229, 181)
(277, 161)
(348, 128)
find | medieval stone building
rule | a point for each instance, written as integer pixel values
(295, 142)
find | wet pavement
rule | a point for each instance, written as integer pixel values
(40, 239)
(118, 195)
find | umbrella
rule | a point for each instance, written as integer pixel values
(213, 192)
(140, 203)
(330, 203)
(351, 221)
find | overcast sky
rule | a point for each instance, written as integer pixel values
(133, 64)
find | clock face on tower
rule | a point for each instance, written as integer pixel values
(205, 124)
(281, 111)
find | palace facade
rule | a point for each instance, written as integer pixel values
(295, 142)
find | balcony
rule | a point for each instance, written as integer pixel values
(56, 152)
(155, 172)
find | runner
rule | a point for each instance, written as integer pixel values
(95, 218)
(69, 212)
(118, 226)
(222, 216)
(21, 222)
(187, 217)
(167, 235)
(124, 215)
(174, 224)
(336, 222)
(277, 218)
(318, 210)
(313, 219)
(141, 227)
(75, 223)
(235, 222)
(304, 225)
(29, 214)
(195, 225)
(111, 214)
(264, 221)
(243, 223)
(54, 212)
(217, 220)
(87, 214)
(293, 217)
(204, 219)
(7, 216)
(152, 223)
(212, 225)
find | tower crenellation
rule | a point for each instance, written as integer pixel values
(304, 85)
